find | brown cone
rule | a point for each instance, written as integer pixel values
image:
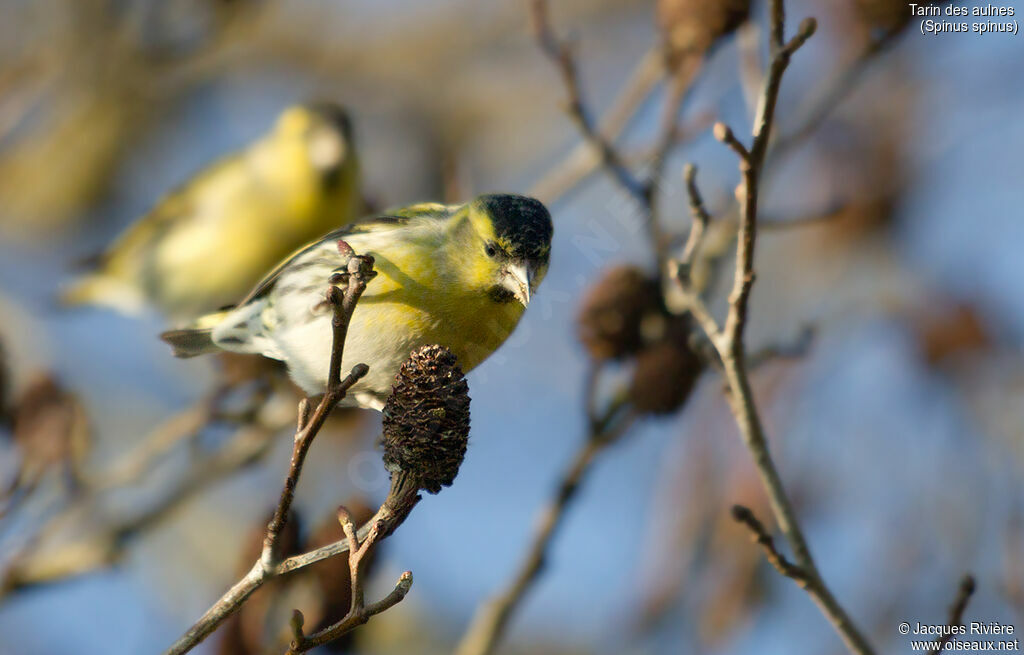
(426, 419)
(613, 311)
(664, 376)
(693, 26)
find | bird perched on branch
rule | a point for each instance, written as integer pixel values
(455, 275)
(206, 243)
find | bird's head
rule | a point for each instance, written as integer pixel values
(508, 244)
(325, 129)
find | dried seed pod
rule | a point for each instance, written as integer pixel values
(49, 427)
(613, 311)
(691, 27)
(426, 418)
(664, 376)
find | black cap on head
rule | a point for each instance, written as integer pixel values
(522, 225)
(334, 114)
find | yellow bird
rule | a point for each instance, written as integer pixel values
(455, 275)
(206, 243)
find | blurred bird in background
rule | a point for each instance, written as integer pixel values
(455, 275)
(208, 242)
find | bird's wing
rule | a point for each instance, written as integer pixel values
(387, 221)
(371, 225)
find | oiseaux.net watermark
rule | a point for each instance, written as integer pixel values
(976, 636)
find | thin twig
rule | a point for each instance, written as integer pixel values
(183, 426)
(560, 53)
(360, 271)
(581, 161)
(728, 341)
(557, 184)
(359, 613)
(698, 213)
(822, 103)
(956, 612)
(744, 516)
(724, 134)
(99, 550)
(668, 137)
(643, 189)
(491, 619)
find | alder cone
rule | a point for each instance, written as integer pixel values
(49, 425)
(612, 312)
(693, 26)
(426, 418)
(664, 376)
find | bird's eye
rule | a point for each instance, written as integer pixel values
(491, 251)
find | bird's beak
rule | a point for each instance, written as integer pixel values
(518, 280)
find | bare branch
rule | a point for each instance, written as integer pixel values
(561, 55)
(728, 341)
(956, 611)
(821, 102)
(360, 271)
(491, 619)
(668, 137)
(744, 516)
(582, 160)
(698, 213)
(724, 134)
(777, 31)
(359, 613)
(95, 551)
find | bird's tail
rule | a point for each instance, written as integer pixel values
(197, 339)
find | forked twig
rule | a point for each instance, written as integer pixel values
(728, 337)
(393, 511)
(560, 53)
(359, 612)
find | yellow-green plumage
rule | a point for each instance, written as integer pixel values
(459, 276)
(208, 242)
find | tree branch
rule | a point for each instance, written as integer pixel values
(491, 619)
(359, 613)
(760, 536)
(956, 611)
(560, 53)
(728, 341)
(642, 189)
(359, 272)
(582, 160)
